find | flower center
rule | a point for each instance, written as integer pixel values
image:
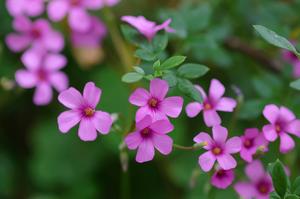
(278, 128)
(248, 143)
(220, 173)
(153, 103)
(217, 151)
(207, 106)
(145, 132)
(263, 187)
(75, 2)
(42, 75)
(89, 112)
(35, 33)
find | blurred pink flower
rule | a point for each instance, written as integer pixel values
(155, 103)
(42, 72)
(260, 185)
(78, 17)
(252, 140)
(211, 104)
(282, 121)
(30, 8)
(222, 178)
(92, 37)
(292, 59)
(146, 27)
(150, 134)
(218, 148)
(83, 111)
(37, 34)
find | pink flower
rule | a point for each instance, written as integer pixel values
(42, 72)
(222, 178)
(91, 38)
(292, 59)
(30, 8)
(260, 185)
(37, 34)
(155, 103)
(282, 120)
(150, 134)
(211, 104)
(78, 17)
(83, 111)
(146, 27)
(218, 149)
(252, 140)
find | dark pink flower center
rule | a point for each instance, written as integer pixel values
(88, 112)
(207, 106)
(146, 132)
(248, 143)
(42, 75)
(75, 2)
(217, 150)
(263, 187)
(36, 33)
(153, 102)
(278, 128)
(221, 173)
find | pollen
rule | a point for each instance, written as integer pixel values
(278, 128)
(207, 106)
(153, 102)
(89, 112)
(217, 151)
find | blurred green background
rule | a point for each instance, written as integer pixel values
(38, 162)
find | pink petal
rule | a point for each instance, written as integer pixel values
(216, 89)
(32, 59)
(247, 154)
(233, 145)
(224, 181)
(251, 133)
(139, 97)
(206, 161)
(79, 19)
(164, 25)
(42, 94)
(87, 131)
(204, 137)
(70, 98)
(286, 143)
(286, 114)
(162, 143)
(17, 43)
(67, 120)
(26, 79)
(159, 88)
(211, 118)
(144, 122)
(202, 92)
(91, 94)
(133, 140)
(55, 62)
(142, 112)
(255, 171)
(54, 41)
(219, 134)
(102, 121)
(94, 4)
(245, 190)
(294, 128)
(145, 151)
(296, 69)
(226, 161)
(34, 7)
(172, 106)
(226, 104)
(162, 126)
(15, 7)
(22, 24)
(193, 109)
(59, 81)
(271, 113)
(57, 9)
(270, 132)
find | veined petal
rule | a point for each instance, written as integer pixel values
(145, 151)
(71, 98)
(162, 126)
(162, 143)
(271, 113)
(270, 132)
(102, 121)
(219, 134)
(91, 94)
(172, 106)
(204, 138)
(87, 131)
(67, 120)
(226, 104)
(286, 143)
(139, 97)
(211, 118)
(216, 90)
(159, 88)
(193, 109)
(233, 145)
(133, 140)
(206, 161)
(226, 161)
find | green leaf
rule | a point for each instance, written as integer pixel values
(275, 39)
(132, 77)
(170, 78)
(295, 84)
(172, 62)
(279, 178)
(131, 34)
(156, 64)
(139, 70)
(291, 196)
(145, 54)
(191, 71)
(189, 89)
(274, 195)
(296, 186)
(160, 42)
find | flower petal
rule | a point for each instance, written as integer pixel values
(219, 134)
(162, 143)
(91, 94)
(211, 118)
(245, 190)
(32, 59)
(70, 98)
(144, 122)
(102, 121)
(162, 126)
(55, 62)
(159, 88)
(22, 24)
(54, 41)
(172, 106)
(133, 140)
(142, 112)
(271, 113)
(294, 128)
(79, 19)
(270, 132)
(193, 109)
(68, 119)
(285, 114)
(255, 171)
(59, 81)
(226, 161)
(233, 145)
(286, 143)
(226, 104)
(139, 97)
(204, 137)
(216, 89)
(34, 7)
(87, 131)
(247, 154)
(42, 94)
(206, 161)
(57, 10)
(25, 78)
(17, 43)
(145, 151)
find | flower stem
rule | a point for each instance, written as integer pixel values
(188, 148)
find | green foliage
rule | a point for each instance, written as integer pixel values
(192, 71)
(295, 84)
(172, 62)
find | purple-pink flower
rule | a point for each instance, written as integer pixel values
(150, 134)
(146, 27)
(38, 34)
(211, 104)
(155, 103)
(292, 59)
(260, 185)
(282, 121)
(252, 141)
(83, 111)
(218, 149)
(222, 178)
(30, 8)
(78, 17)
(92, 37)
(42, 72)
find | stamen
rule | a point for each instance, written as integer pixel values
(217, 151)
(153, 102)
(89, 112)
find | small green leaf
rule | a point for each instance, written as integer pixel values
(296, 186)
(160, 42)
(279, 178)
(274, 195)
(192, 71)
(145, 54)
(156, 64)
(172, 62)
(291, 196)
(132, 77)
(139, 70)
(295, 84)
(275, 39)
(131, 34)
(189, 89)
(170, 78)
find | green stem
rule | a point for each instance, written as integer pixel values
(187, 148)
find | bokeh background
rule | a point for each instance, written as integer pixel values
(38, 162)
